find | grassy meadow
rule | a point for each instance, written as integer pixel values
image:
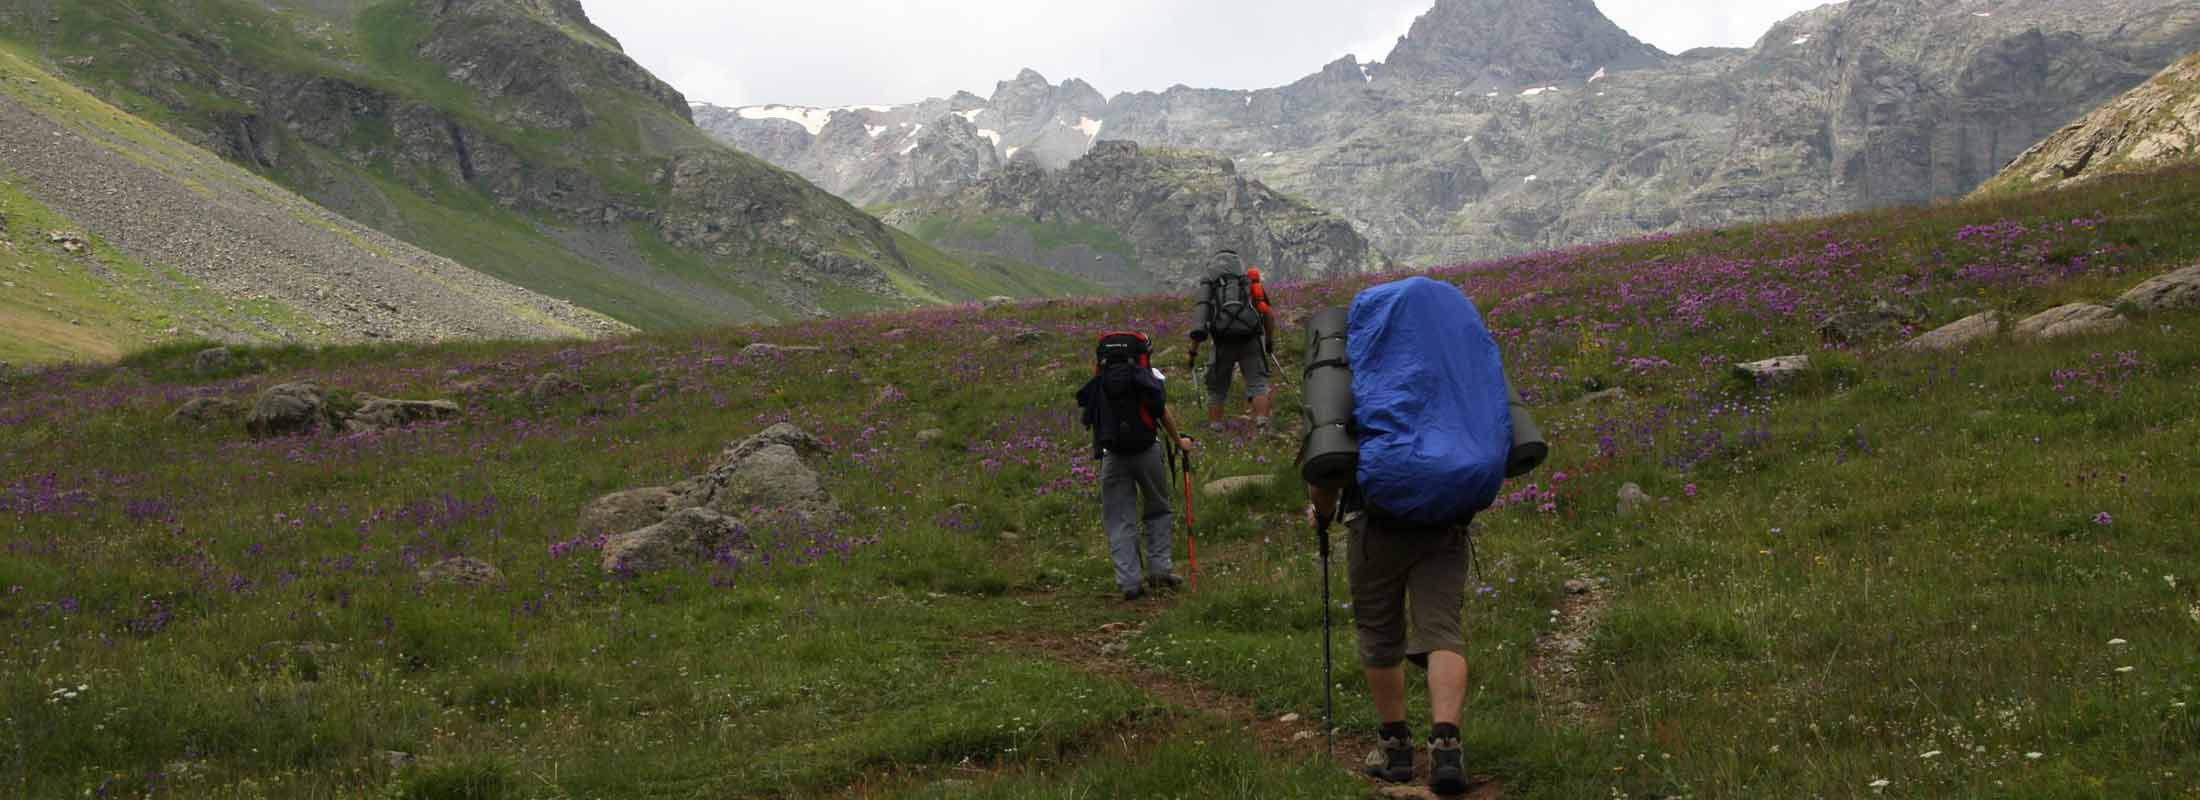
(1919, 576)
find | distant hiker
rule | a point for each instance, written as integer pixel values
(1126, 405)
(1234, 312)
(1412, 432)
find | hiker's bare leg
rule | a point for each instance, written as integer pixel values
(1388, 685)
(1261, 406)
(1214, 413)
(1447, 686)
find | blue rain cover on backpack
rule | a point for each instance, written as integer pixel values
(1429, 398)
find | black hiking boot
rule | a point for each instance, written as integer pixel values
(1165, 583)
(1447, 770)
(1134, 595)
(1394, 762)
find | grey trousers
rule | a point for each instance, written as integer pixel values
(1127, 485)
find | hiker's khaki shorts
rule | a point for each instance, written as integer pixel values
(1409, 590)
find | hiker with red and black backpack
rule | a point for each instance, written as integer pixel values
(1126, 405)
(1233, 312)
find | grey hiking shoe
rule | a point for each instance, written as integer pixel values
(1447, 771)
(1394, 762)
(1165, 583)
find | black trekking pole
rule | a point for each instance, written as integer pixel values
(1329, 683)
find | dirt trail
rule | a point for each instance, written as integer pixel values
(1557, 660)
(1104, 652)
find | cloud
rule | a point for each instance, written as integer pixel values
(843, 52)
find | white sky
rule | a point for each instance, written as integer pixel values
(845, 52)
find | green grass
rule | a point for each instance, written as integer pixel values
(1898, 570)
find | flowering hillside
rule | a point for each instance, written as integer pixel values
(1966, 573)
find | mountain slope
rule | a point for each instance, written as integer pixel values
(2153, 125)
(121, 235)
(510, 135)
(1139, 219)
(1500, 126)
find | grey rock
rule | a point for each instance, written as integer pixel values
(1633, 500)
(1027, 337)
(554, 386)
(1606, 397)
(70, 242)
(1883, 319)
(1000, 300)
(622, 512)
(383, 414)
(461, 571)
(289, 409)
(930, 435)
(783, 434)
(1774, 370)
(212, 360)
(775, 480)
(1961, 333)
(648, 393)
(398, 760)
(763, 350)
(1578, 586)
(2076, 319)
(690, 537)
(2176, 290)
(205, 411)
(1230, 486)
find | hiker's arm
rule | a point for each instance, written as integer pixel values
(1324, 505)
(1168, 422)
(1268, 321)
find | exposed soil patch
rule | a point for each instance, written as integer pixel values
(1557, 663)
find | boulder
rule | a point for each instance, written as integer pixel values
(783, 433)
(2076, 319)
(692, 536)
(1856, 327)
(461, 571)
(762, 350)
(212, 360)
(205, 411)
(627, 511)
(289, 409)
(383, 414)
(1229, 486)
(1961, 333)
(1774, 370)
(554, 386)
(773, 480)
(1633, 500)
(2176, 290)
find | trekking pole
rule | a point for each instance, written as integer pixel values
(1329, 683)
(1191, 533)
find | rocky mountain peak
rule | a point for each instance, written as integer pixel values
(1516, 43)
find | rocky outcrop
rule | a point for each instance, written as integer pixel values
(377, 414)
(1959, 334)
(2149, 127)
(2076, 319)
(1140, 219)
(1501, 126)
(2176, 290)
(289, 409)
(764, 480)
(204, 411)
(1773, 371)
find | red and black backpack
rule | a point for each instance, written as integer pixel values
(1123, 364)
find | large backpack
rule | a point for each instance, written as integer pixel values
(1233, 306)
(1118, 401)
(1431, 407)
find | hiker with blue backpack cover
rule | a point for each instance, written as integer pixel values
(1126, 405)
(1412, 430)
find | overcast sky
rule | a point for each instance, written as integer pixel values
(846, 52)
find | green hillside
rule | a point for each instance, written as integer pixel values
(511, 136)
(1967, 574)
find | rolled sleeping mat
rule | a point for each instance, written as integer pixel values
(1330, 456)
(1528, 449)
(1201, 313)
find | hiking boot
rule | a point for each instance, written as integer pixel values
(1447, 770)
(1394, 762)
(1165, 583)
(1134, 595)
